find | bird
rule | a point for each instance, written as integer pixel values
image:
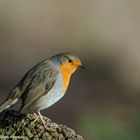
(44, 84)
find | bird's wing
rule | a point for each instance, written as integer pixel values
(38, 82)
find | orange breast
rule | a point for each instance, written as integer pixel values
(66, 74)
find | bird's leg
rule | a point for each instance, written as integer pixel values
(41, 117)
(35, 116)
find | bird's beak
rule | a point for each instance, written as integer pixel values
(82, 66)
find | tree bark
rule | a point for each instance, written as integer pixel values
(14, 125)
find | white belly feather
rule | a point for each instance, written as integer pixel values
(55, 94)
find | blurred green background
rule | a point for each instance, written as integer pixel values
(102, 102)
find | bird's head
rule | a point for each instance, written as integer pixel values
(68, 62)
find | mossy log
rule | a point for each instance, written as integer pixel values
(15, 126)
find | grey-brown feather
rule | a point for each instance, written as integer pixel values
(38, 82)
(11, 100)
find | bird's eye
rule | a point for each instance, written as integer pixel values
(69, 60)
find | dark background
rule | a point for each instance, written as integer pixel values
(102, 102)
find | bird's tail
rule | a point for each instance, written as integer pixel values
(11, 100)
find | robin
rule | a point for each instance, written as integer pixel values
(44, 84)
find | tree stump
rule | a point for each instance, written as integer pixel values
(15, 126)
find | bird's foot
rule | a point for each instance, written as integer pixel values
(48, 128)
(35, 117)
(44, 122)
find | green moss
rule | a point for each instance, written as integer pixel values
(16, 126)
